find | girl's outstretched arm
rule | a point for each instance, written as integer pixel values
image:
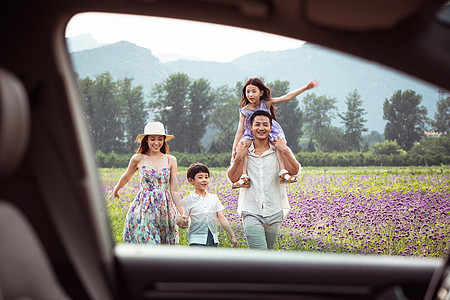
(226, 225)
(291, 95)
(132, 168)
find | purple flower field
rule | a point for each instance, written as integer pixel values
(402, 212)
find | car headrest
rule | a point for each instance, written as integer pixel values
(14, 122)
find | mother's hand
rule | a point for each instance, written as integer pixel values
(183, 222)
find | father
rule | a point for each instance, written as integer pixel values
(262, 205)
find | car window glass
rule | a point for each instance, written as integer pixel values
(373, 142)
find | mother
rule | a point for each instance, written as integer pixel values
(151, 217)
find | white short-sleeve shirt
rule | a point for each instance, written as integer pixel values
(266, 196)
(203, 216)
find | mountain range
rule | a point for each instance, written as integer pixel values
(338, 73)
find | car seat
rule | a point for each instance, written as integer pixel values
(25, 269)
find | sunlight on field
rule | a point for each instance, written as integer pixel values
(385, 211)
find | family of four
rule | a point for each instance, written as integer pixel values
(261, 163)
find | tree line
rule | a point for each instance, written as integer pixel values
(116, 112)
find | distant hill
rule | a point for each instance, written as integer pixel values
(167, 57)
(338, 74)
(122, 59)
(82, 42)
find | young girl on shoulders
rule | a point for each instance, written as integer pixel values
(151, 218)
(256, 96)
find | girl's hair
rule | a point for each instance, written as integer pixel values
(265, 96)
(143, 147)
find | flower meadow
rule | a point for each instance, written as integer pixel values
(378, 211)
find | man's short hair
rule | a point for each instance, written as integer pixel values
(260, 113)
(196, 168)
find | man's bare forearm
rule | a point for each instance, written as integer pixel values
(235, 171)
(290, 163)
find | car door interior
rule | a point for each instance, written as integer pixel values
(26, 271)
(439, 287)
(55, 240)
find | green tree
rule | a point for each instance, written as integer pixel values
(85, 87)
(171, 98)
(372, 138)
(441, 122)
(387, 148)
(434, 150)
(310, 147)
(200, 102)
(353, 122)
(366, 147)
(103, 112)
(238, 90)
(134, 115)
(318, 113)
(224, 120)
(184, 108)
(288, 114)
(406, 119)
(330, 139)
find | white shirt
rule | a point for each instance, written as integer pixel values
(266, 196)
(203, 214)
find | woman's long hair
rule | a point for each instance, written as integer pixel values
(265, 96)
(143, 147)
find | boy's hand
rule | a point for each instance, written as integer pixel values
(235, 242)
(183, 222)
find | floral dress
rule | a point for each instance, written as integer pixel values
(151, 218)
(276, 132)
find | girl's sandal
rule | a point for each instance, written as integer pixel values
(243, 182)
(286, 177)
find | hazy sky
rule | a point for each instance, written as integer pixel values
(162, 36)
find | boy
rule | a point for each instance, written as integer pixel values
(205, 210)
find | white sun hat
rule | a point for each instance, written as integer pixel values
(154, 128)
